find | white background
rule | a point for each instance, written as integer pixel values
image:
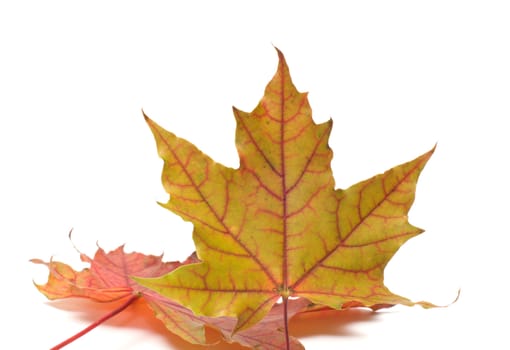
(395, 76)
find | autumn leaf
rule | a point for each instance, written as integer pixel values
(108, 280)
(276, 227)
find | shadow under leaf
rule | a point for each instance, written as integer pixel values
(140, 316)
(329, 322)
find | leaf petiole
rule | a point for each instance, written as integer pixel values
(286, 322)
(106, 317)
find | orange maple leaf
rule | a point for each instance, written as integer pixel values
(108, 279)
(277, 227)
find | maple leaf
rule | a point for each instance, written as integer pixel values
(108, 280)
(276, 227)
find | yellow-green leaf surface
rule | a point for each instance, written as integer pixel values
(277, 227)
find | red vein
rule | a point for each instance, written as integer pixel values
(196, 219)
(309, 160)
(343, 269)
(404, 234)
(255, 311)
(262, 184)
(213, 211)
(308, 201)
(216, 249)
(252, 139)
(283, 179)
(362, 219)
(209, 290)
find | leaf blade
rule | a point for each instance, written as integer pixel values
(285, 230)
